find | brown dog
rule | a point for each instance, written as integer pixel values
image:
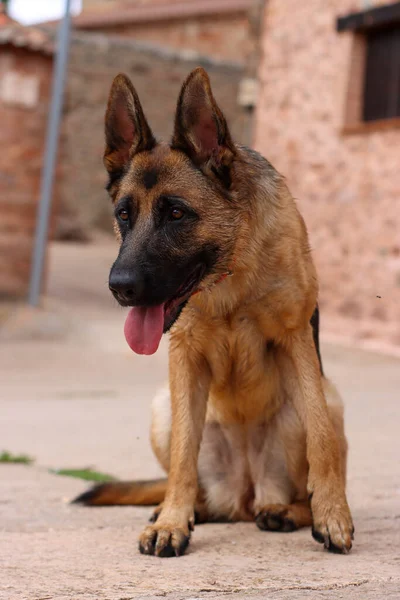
(249, 428)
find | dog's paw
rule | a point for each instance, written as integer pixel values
(275, 517)
(159, 540)
(332, 523)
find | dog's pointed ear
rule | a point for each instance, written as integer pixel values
(126, 128)
(201, 130)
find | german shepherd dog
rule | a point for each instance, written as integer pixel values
(214, 250)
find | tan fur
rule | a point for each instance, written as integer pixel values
(243, 468)
(248, 428)
(127, 493)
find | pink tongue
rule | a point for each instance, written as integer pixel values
(144, 328)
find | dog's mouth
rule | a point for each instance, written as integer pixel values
(145, 325)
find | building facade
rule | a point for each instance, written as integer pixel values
(26, 63)
(221, 29)
(328, 118)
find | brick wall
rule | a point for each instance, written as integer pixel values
(347, 185)
(24, 94)
(157, 75)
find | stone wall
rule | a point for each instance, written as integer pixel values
(347, 183)
(224, 35)
(157, 75)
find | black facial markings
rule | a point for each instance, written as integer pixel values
(128, 204)
(113, 179)
(162, 209)
(177, 314)
(150, 178)
(207, 257)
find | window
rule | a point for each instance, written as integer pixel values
(382, 75)
(374, 80)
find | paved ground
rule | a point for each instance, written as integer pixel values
(73, 395)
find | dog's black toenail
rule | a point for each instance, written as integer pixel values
(317, 535)
(143, 550)
(166, 552)
(182, 547)
(336, 549)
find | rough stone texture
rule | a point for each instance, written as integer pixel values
(157, 74)
(347, 185)
(82, 398)
(23, 128)
(223, 37)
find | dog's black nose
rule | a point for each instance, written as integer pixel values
(126, 286)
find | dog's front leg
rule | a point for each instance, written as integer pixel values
(332, 522)
(189, 384)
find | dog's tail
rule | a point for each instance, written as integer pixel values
(128, 493)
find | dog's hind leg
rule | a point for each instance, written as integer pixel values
(278, 462)
(285, 517)
(285, 438)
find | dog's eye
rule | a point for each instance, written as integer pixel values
(123, 215)
(176, 214)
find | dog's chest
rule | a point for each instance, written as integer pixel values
(245, 378)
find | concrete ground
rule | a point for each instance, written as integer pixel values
(74, 395)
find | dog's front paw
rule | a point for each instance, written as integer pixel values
(161, 539)
(332, 522)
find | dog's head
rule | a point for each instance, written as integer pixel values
(174, 205)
